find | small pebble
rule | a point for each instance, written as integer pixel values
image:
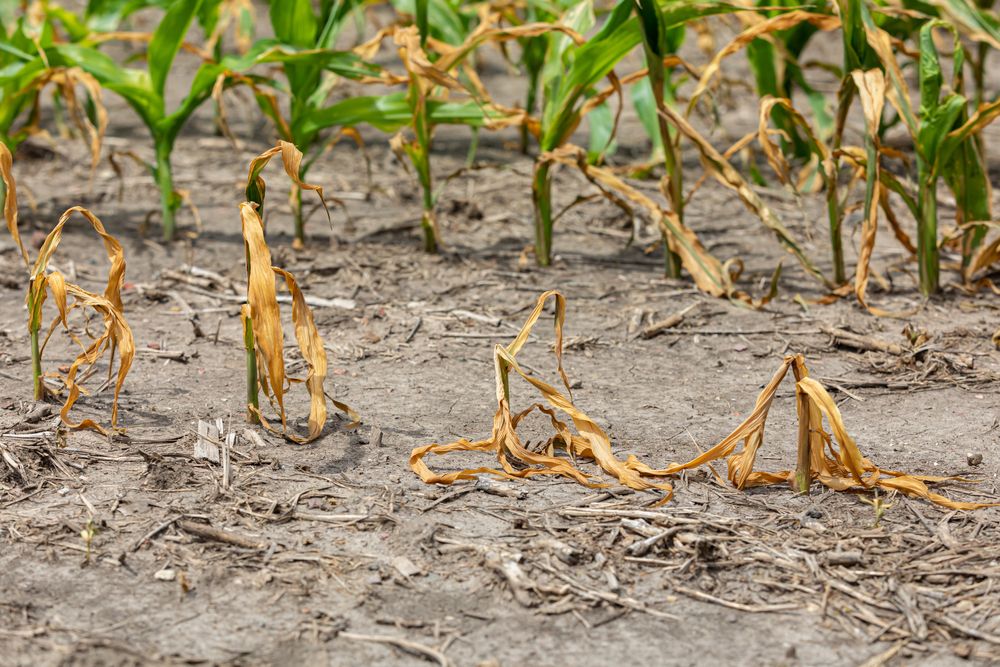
(974, 459)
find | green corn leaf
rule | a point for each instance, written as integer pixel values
(294, 22)
(167, 41)
(601, 123)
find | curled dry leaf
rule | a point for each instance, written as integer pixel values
(291, 159)
(833, 459)
(268, 337)
(584, 440)
(116, 337)
(66, 80)
(783, 21)
(10, 199)
(710, 275)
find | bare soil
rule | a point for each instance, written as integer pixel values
(335, 553)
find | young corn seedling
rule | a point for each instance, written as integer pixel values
(145, 90)
(115, 339)
(261, 315)
(303, 49)
(585, 439)
(435, 96)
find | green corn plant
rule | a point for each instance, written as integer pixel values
(435, 95)
(145, 91)
(572, 71)
(659, 42)
(303, 49)
(944, 134)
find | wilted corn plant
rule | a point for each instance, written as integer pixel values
(515, 459)
(261, 316)
(843, 468)
(116, 337)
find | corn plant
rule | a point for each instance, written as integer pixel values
(24, 77)
(116, 338)
(303, 49)
(574, 68)
(945, 138)
(661, 41)
(145, 92)
(261, 316)
(831, 457)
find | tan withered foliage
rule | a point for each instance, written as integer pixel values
(291, 160)
(262, 316)
(10, 199)
(831, 459)
(116, 337)
(65, 80)
(871, 91)
(834, 459)
(709, 274)
(763, 28)
(585, 439)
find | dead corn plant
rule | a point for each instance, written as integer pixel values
(261, 316)
(831, 458)
(113, 340)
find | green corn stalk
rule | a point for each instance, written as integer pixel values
(253, 384)
(571, 73)
(145, 91)
(658, 43)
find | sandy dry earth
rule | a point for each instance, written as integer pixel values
(334, 550)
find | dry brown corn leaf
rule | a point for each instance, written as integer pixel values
(711, 276)
(116, 337)
(10, 199)
(782, 21)
(515, 459)
(263, 311)
(706, 271)
(291, 159)
(833, 459)
(720, 168)
(66, 79)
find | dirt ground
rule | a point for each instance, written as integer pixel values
(335, 552)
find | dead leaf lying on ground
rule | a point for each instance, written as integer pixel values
(834, 459)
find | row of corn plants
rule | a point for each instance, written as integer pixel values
(914, 70)
(578, 60)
